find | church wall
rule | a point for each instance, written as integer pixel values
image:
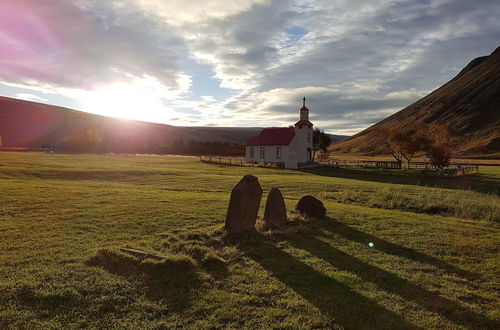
(302, 143)
(270, 155)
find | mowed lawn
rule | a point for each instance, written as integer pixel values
(63, 218)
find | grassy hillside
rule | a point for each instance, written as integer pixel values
(34, 125)
(31, 124)
(63, 219)
(468, 105)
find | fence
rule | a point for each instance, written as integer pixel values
(461, 169)
(451, 170)
(237, 161)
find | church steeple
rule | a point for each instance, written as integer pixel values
(304, 112)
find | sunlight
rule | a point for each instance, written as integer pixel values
(139, 99)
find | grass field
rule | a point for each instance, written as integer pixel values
(63, 218)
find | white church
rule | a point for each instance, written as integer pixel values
(288, 146)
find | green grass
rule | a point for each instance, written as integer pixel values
(63, 219)
(431, 201)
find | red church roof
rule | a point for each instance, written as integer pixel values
(273, 137)
(303, 123)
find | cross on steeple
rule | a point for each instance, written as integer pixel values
(304, 100)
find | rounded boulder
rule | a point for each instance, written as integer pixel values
(310, 207)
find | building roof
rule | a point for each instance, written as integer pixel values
(304, 108)
(273, 137)
(303, 123)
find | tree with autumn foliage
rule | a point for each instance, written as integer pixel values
(410, 143)
(389, 143)
(437, 145)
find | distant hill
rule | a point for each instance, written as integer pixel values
(469, 105)
(34, 125)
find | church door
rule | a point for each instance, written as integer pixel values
(309, 155)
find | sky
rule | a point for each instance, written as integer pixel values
(241, 63)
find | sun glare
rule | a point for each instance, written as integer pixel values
(139, 99)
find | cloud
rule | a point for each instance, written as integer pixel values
(180, 12)
(356, 61)
(30, 97)
(63, 44)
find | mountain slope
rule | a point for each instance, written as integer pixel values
(34, 125)
(469, 105)
(31, 124)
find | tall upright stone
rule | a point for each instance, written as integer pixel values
(275, 212)
(244, 205)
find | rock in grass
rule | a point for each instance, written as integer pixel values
(275, 212)
(310, 207)
(244, 205)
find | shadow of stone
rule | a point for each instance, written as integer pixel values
(173, 280)
(333, 298)
(355, 235)
(390, 282)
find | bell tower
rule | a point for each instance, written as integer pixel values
(304, 112)
(304, 135)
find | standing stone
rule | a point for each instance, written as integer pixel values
(275, 213)
(310, 207)
(244, 205)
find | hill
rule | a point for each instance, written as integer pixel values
(34, 125)
(469, 105)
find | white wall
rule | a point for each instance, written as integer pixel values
(301, 143)
(269, 154)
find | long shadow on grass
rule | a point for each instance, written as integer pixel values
(477, 182)
(333, 298)
(355, 235)
(390, 282)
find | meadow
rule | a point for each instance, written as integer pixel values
(434, 262)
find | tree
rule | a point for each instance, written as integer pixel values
(409, 143)
(437, 145)
(321, 141)
(388, 139)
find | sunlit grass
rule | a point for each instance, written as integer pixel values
(64, 218)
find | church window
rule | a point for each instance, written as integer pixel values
(251, 152)
(309, 137)
(278, 152)
(262, 152)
